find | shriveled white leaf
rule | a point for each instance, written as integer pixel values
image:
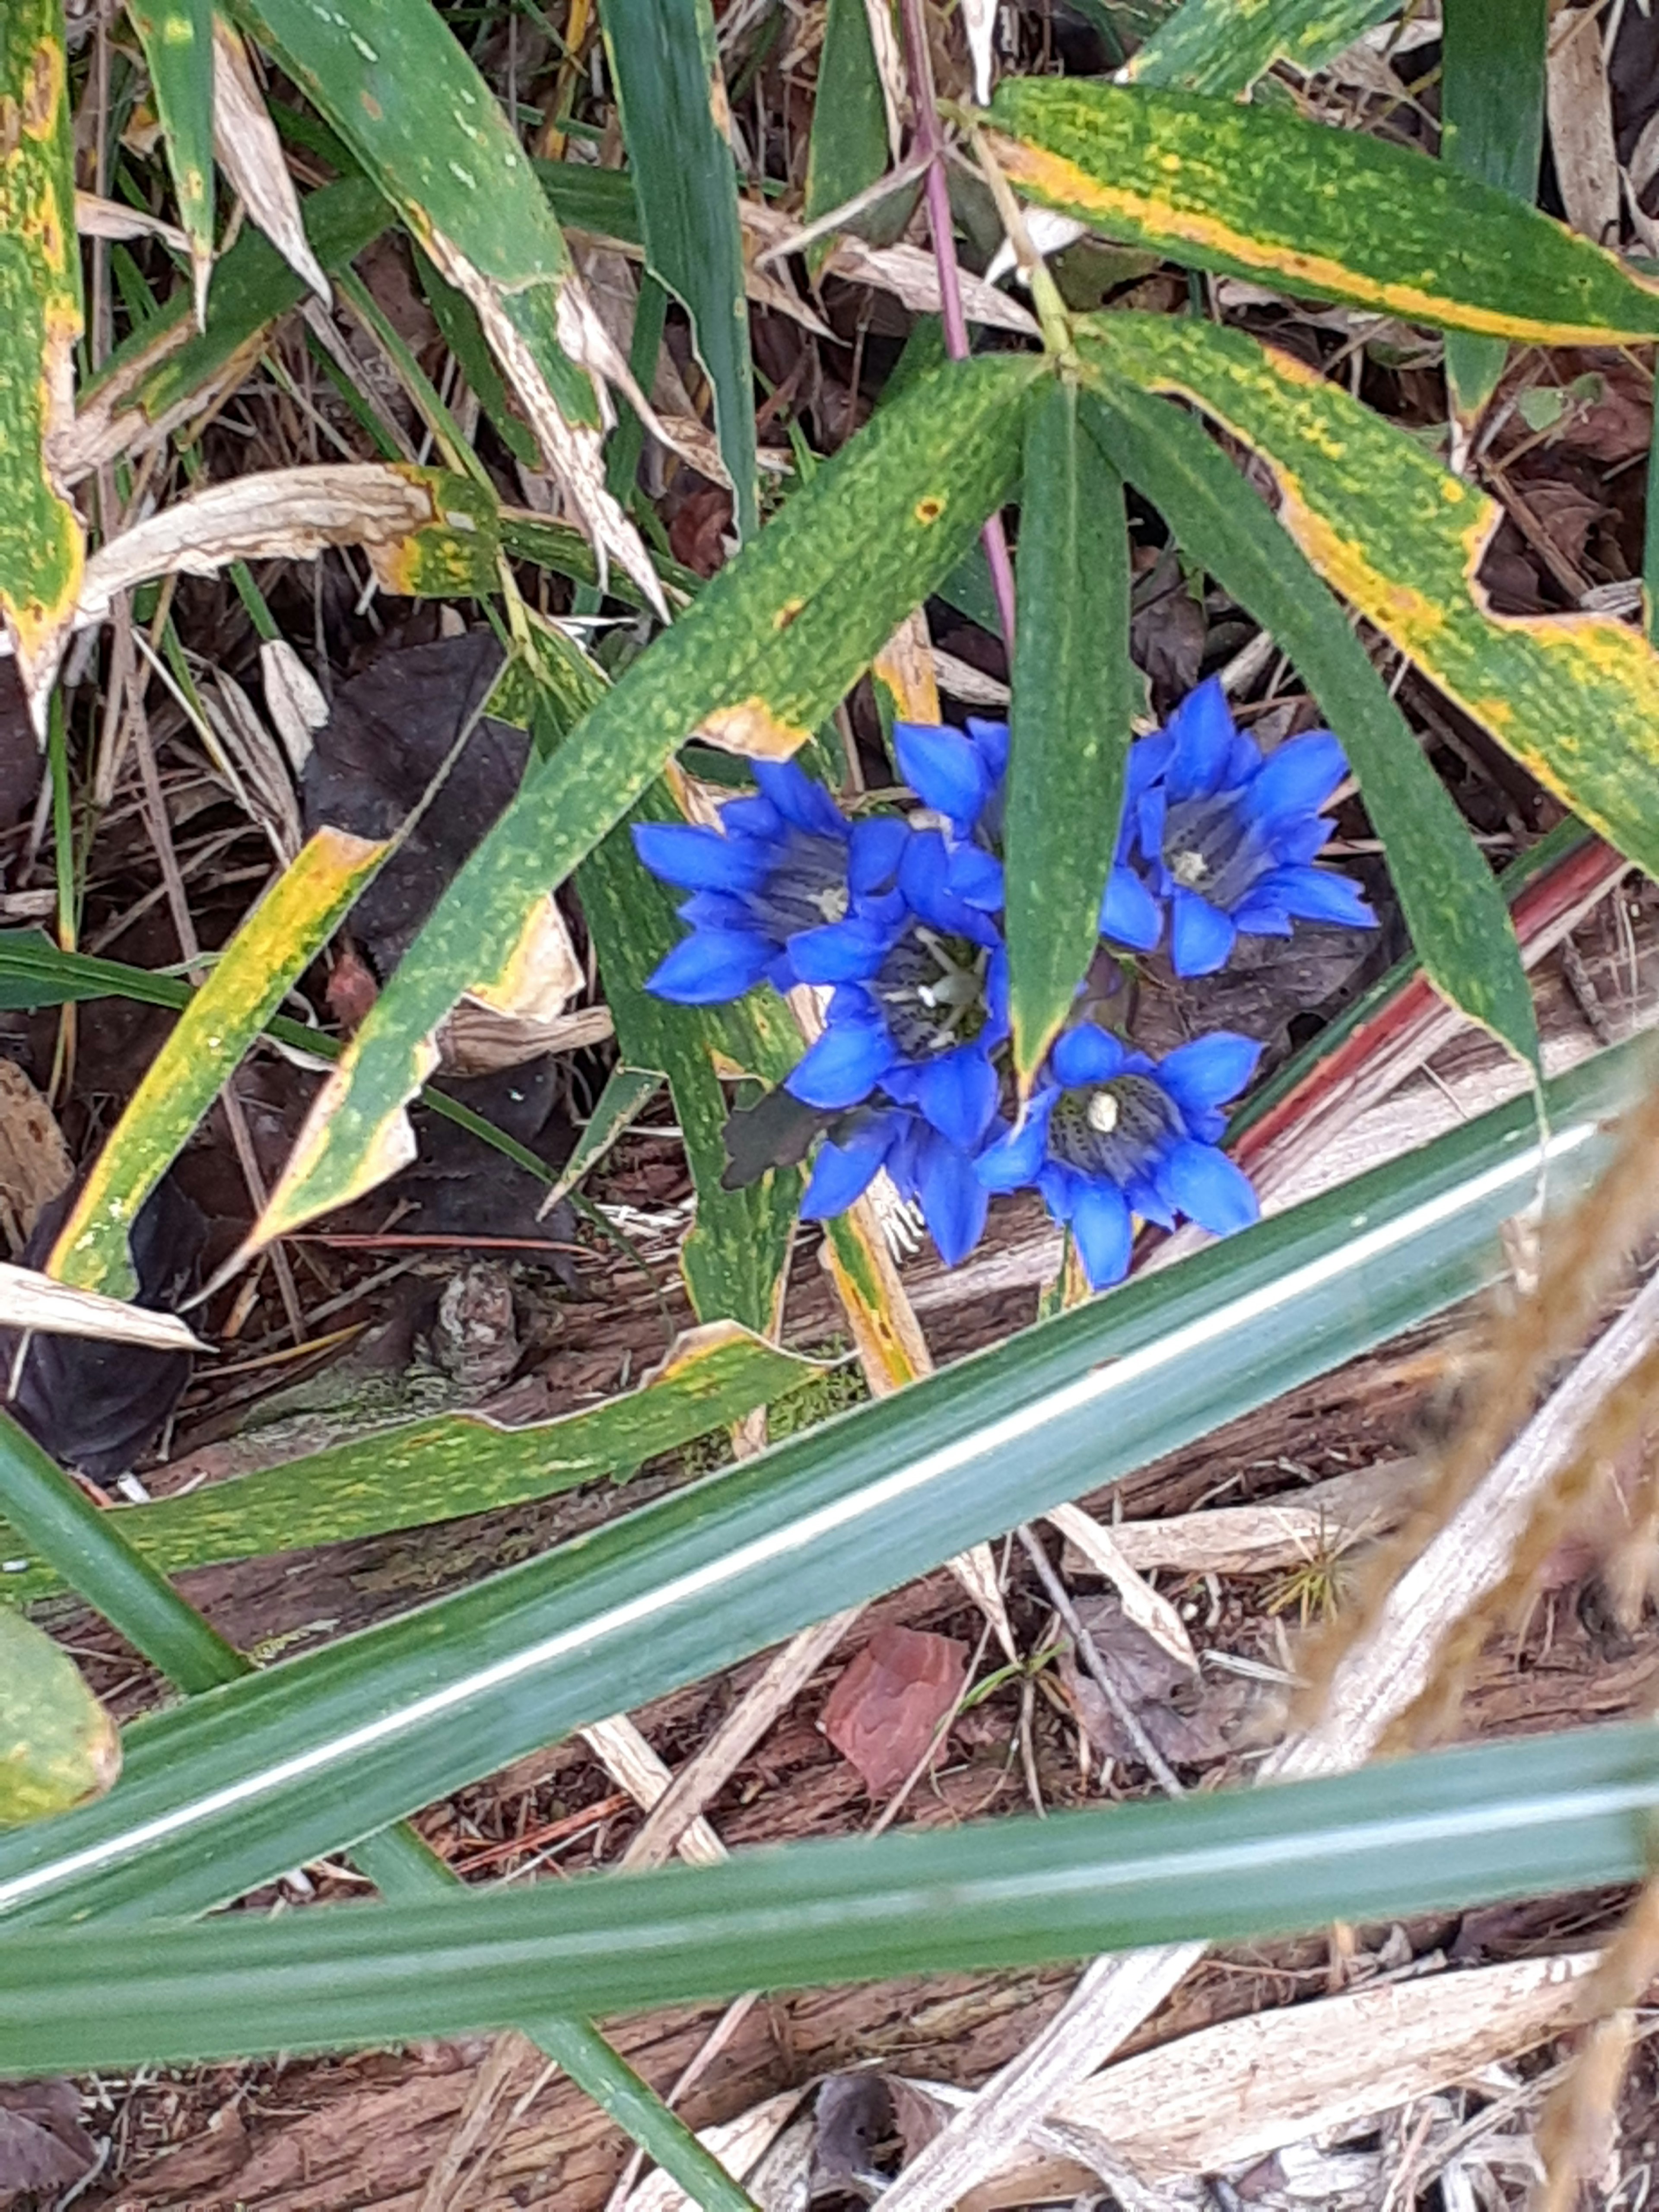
(906, 271)
(100, 218)
(251, 154)
(1049, 232)
(630, 1762)
(542, 973)
(475, 1040)
(294, 700)
(739, 2144)
(889, 67)
(262, 770)
(1141, 1603)
(979, 19)
(31, 1300)
(1580, 104)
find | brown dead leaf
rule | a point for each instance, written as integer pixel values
(1580, 124)
(882, 1714)
(34, 1161)
(697, 535)
(1190, 1732)
(251, 154)
(44, 2149)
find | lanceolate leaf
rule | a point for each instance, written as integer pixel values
(280, 937)
(1427, 1834)
(391, 79)
(1332, 213)
(1222, 47)
(847, 149)
(57, 1744)
(755, 664)
(1491, 126)
(316, 1751)
(1069, 728)
(736, 1255)
(410, 1475)
(1575, 698)
(41, 546)
(665, 67)
(1453, 907)
(177, 37)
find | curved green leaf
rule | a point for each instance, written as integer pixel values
(57, 1744)
(755, 664)
(225, 1793)
(1222, 47)
(847, 149)
(1573, 697)
(177, 37)
(1069, 725)
(1325, 213)
(1411, 1835)
(1456, 912)
(665, 67)
(1491, 126)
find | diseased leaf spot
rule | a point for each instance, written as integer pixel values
(787, 613)
(371, 106)
(928, 510)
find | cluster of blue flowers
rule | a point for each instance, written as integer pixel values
(898, 916)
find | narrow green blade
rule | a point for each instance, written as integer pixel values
(177, 37)
(847, 149)
(1491, 126)
(1222, 47)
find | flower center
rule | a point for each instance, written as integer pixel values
(1114, 1130)
(807, 887)
(1210, 847)
(932, 988)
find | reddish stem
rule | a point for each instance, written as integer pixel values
(930, 143)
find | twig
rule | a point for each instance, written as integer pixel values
(930, 147)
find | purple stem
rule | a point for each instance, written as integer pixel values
(931, 144)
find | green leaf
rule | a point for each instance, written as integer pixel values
(755, 664)
(227, 1792)
(1324, 213)
(665, 64)
(177, 37)
(465, 340)
(278, 940)
(1428, 1834)
(57, 1744)
(1069, 728)
(391, 78)
(628, 1091)
(736, 1257)
(1222, 47)
(1491, 126)
(847, 149)
(1452, 905)
(42, 551)
(410, 1474)
(602, 202)
(1575, 698)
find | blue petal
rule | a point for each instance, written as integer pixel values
(1061, 1187)
(990, 742)
(1144, 1198)
(1016, 1156)
(843, 1066)
(711, 966)
(1208, 1187)
(1129, 914)
(751, 817)
(1261, 913)
(1148, 758)
(700, 859)
(957, 1093)
(843, 1173)
(1301, 837)
(944, 769)
(1150, 810)
(840, 953)
(717, 910)
(1086, 1054)
(1201, 935)
(1101, 1227)
(1299, 778)
(877, 846)
(799, 799)
(953, 1201)
(925, 882)
(1320, 894)
(1210, 1070)
(1202, 730)
(975, 876)
(996, 996)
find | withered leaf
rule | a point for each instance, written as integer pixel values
(882, 1714)
(43, 2146)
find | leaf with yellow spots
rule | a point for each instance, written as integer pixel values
(177, 37)
(41, 546)
(1326, 213)
(878, 529)
(1575, 698)
(57, 1744)
(1222, 47)
(274, 946)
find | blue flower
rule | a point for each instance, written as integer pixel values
(780, 869)
(1229, 834)
(921, 997)
(927, 1170)
(1112, 1134)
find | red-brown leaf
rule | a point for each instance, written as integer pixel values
(882, 1714)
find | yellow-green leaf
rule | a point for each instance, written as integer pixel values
(1329, 213)
(277, 942)
(177, 37)
(41, 546)
(1575, 698)
(1493, 59)
(57, 1744)
(1222, 47)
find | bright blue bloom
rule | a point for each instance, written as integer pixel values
(780, 869)
(1112, 1133)
(1229, 834)
(921, 996)
(927, 1170)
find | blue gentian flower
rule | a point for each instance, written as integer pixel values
(780, 869)
(1112, 1133)
(1229, 834)
(921, 994)
(927, 1171)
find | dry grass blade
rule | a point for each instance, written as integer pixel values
(29, 1300)
(251, 154)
